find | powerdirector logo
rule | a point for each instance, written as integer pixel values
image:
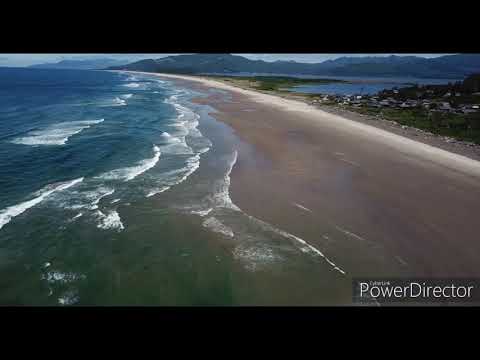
(416, 291)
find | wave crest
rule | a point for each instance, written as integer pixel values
(8, 213)
(57, 134)
(130, 173)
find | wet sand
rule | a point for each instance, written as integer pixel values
(368, 198)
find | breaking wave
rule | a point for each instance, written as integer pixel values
(57, 134)
(7, 214)
(217, 226)
(132, 85)
(130, 173)
(109, 221)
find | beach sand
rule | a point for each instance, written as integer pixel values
(365, 196)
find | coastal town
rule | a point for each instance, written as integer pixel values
(458, 98)
(449, 111)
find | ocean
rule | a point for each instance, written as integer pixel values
(115, 191)
(77, 149)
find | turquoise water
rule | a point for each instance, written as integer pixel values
(77, 149)
(115, 191)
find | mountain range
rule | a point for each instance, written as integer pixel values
(90, 64)
(449, 66)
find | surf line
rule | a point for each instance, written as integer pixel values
(302, 207)
(229, 204)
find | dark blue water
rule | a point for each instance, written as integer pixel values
(346, 88)
(115, 191)
(80, 153)
(84, 122)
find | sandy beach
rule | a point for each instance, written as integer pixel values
(365, 196)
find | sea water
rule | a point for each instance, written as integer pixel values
(115, 190)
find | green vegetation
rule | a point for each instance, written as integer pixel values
(272, 83)
(464, 127)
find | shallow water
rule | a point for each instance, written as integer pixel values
(116, 191)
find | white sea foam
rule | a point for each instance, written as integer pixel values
(175, 145)
(86, 199)
(55, 276)
(305, 247)
(76, 217)
(131, 78)
(217, 226)
(302, 207)
(126, 96)
(130, 173)
(57, 134)
(349, 233)
(10, 212)
(118, 102)
(99, 196)
(255, 256)
(114, 201)
(157, 191)
(204, 150)
(169, 138)
(192, 165)
(202, 212)
(221, 193)
(186, 125)
(70, 297)
(132, 85)
(109, 221)
(221, 198)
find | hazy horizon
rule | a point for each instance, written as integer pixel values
(22, 60)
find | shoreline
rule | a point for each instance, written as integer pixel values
(449, 144)
(375, 202)
(352, 123)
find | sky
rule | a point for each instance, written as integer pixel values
(21, 60)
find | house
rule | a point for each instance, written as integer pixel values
(445, 106)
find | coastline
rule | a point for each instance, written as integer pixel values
(373, 201)
(352, 123)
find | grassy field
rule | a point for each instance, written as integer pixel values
(271, 83)
(465, 127)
